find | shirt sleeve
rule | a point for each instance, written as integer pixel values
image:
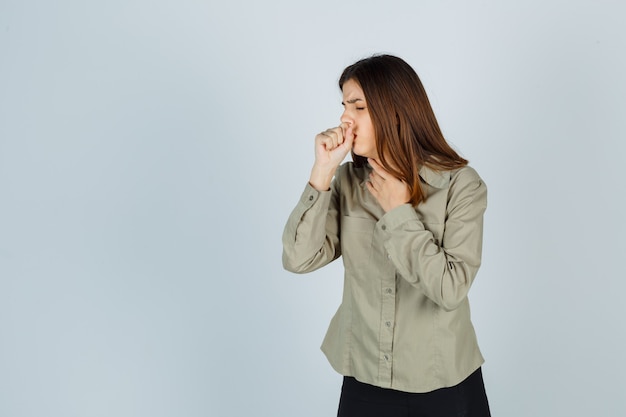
(311, 235)
(443, 272)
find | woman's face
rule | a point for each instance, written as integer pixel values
(357, 116)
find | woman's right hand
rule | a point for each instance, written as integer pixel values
(331, 147)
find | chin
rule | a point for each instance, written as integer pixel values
(362, 153)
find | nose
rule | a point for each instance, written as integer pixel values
(346, 118)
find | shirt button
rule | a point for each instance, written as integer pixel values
(383, 227)
(386, 357)
(389, 291)
(311, 198)
(388, 324)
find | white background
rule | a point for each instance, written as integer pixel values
(151, 151)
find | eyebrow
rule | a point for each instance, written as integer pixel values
(352, 101)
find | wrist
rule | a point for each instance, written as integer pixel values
(321, 177)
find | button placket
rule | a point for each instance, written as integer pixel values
(388, 308)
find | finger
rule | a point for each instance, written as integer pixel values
(375, 184)
(336, 134)
(375, 165)
(325, 141)
(332, 143)
(330, 139)
(371, 189)
(348, 134)
(376, 180)
(340, 135)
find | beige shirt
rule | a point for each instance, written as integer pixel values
(404, 320)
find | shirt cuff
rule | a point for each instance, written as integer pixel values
(310, 196)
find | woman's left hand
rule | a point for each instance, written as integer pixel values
(390, 191)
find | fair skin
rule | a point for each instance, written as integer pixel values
(356, 132)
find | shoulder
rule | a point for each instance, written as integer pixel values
(465, 176)
(465, 183)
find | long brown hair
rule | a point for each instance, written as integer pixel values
(407, 133)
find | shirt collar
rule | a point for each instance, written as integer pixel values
(437, 179)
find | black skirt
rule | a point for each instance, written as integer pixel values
(467, 399)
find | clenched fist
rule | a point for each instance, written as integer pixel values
(331, 147)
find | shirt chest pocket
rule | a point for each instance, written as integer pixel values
(356, 241)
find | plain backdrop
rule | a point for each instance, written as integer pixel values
(151, 151)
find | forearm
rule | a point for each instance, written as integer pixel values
(321, 177)
(442, 264)
(310, 238)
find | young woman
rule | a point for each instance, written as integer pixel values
(406, 215)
